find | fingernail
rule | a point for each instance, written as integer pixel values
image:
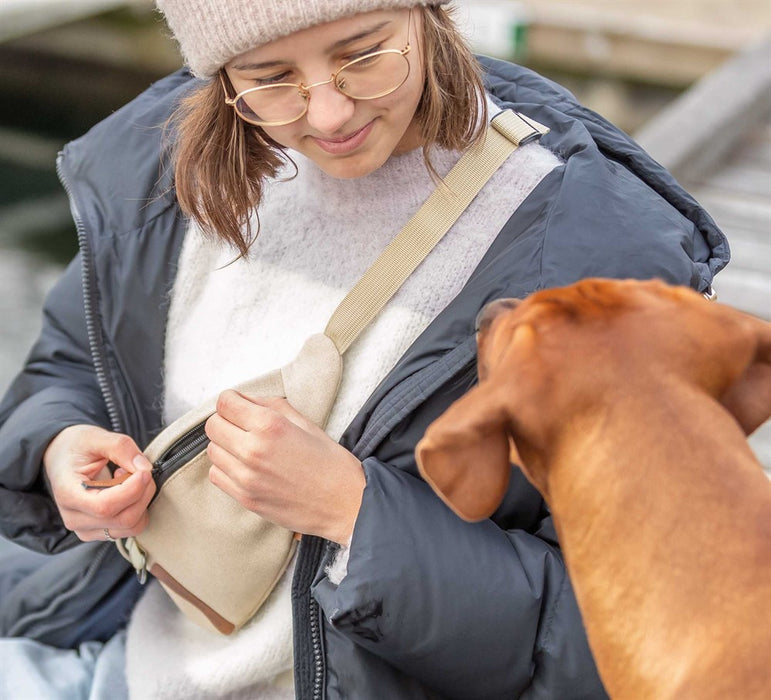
(141, 463)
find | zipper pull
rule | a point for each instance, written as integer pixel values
(97, 484)
(91, 484)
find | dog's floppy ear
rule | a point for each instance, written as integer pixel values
(464, 455)
(749, 397)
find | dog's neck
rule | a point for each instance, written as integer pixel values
(601, 502)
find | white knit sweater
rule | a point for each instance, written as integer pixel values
(317, 237)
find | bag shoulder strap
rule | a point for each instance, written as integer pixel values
(426, 228)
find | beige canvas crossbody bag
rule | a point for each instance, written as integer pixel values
(217, 560)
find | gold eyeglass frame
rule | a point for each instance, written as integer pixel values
(304, 90)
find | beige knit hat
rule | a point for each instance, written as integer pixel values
(211, 32)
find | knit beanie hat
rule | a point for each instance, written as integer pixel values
(211, 32)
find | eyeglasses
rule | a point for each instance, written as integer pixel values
(367, 77)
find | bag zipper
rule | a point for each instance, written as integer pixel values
(189, 445)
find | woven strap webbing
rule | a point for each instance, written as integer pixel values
(427, 227)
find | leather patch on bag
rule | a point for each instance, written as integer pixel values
(220, 623)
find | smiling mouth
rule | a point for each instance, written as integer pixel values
(346, 144)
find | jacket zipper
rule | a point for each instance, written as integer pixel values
(167, 461)
(309, 681)
(318, 661)
(95, 339)
(195, 437)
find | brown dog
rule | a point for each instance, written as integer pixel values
(627, 404)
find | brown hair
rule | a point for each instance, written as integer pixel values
(221, 162)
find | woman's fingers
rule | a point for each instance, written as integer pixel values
(253, 413)
(80, 454)
(224, 431)
(220, 476)
(115, 532)
(123, 506)
(278, 464)
(122, 451)
(239, 411)
(251, 428)
(239, 479)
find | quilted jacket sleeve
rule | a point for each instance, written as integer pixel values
(471, 610)
(57, 388)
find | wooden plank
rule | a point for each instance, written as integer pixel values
(740, 231)
(748, 256)
(744, 177)
(736, 214)
(597, 51)
(701, 128)
(635, 39)
(755, 151)
(747, 290)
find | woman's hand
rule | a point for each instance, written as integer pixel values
(80, 453)
(277, 463)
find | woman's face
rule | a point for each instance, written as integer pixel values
(345, 137)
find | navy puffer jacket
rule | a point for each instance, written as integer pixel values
(431, 606)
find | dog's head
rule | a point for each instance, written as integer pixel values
(547, 363)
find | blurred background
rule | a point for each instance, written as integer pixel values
(690, 79)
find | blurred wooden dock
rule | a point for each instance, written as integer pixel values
(655, 41)
(717, 140)
(738, 195)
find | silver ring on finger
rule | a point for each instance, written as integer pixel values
(107, 534)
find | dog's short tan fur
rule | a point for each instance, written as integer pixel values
(627, 405)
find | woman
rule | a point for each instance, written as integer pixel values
(218, 271)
